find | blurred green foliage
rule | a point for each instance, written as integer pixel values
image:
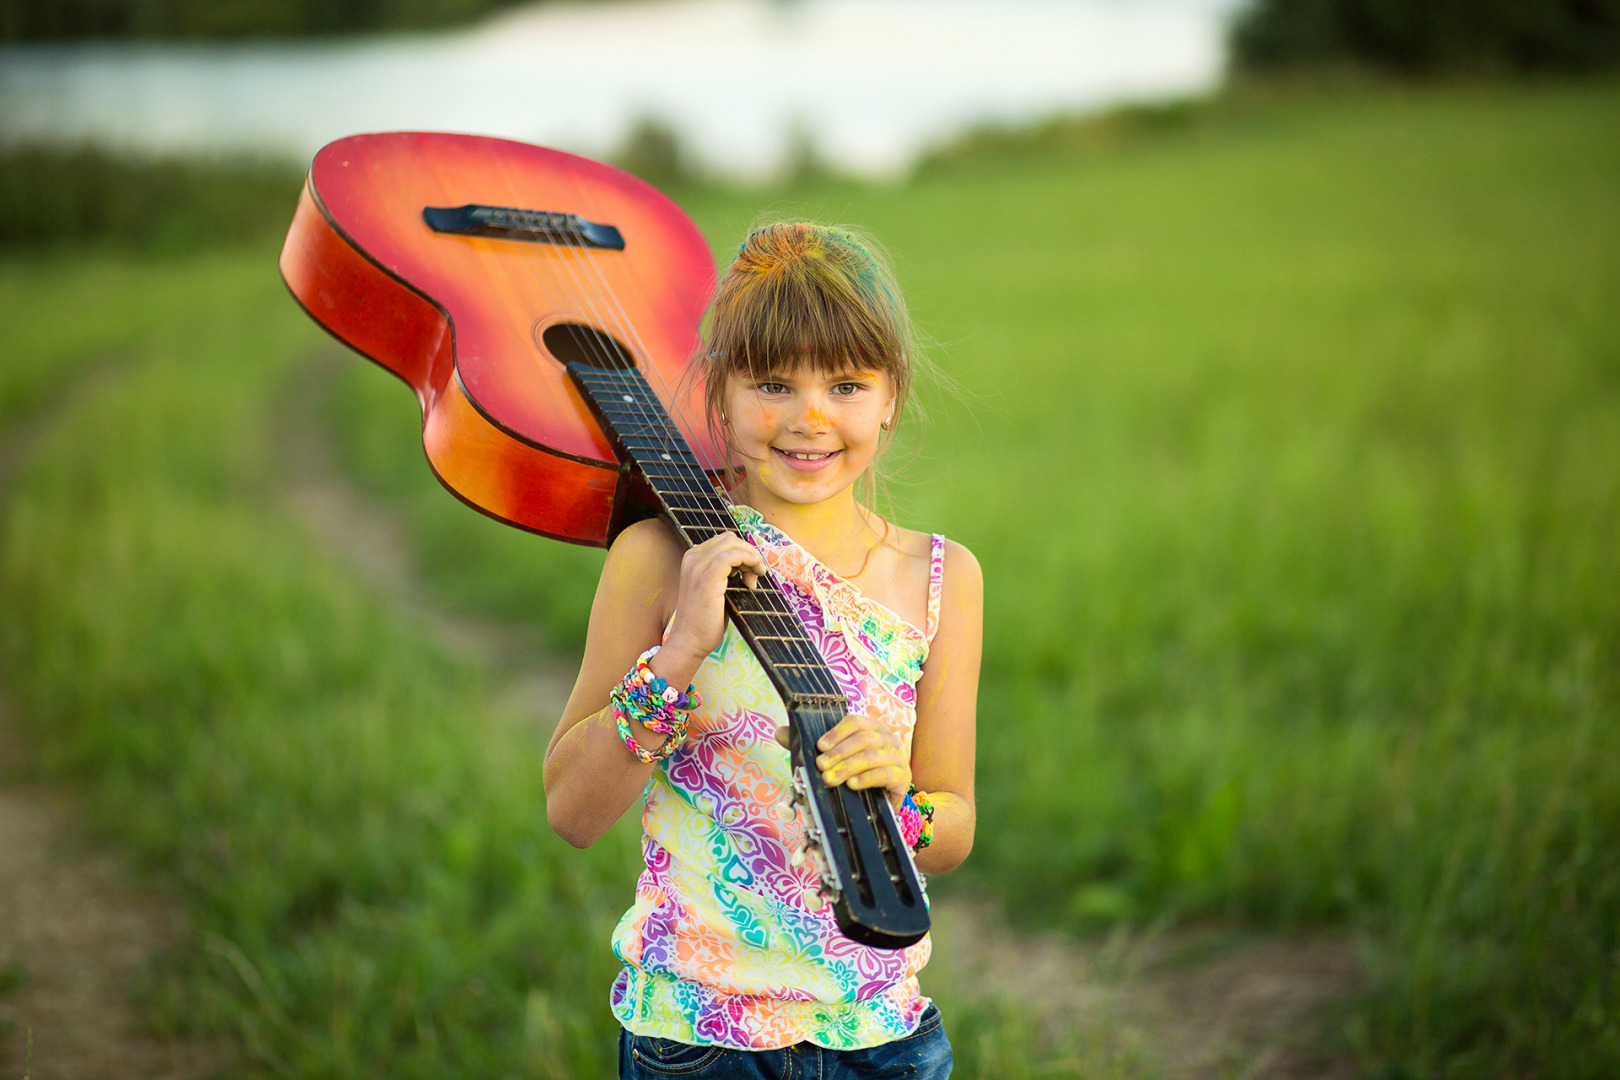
(63, 20)
(1104, 132)
(52, 195)
(1287, 445)
(1433, 35)
(652, 150)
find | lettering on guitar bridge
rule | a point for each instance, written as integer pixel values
(533, 226)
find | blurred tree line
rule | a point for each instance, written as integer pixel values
(52, 195)
(1424, 36)
(62, 20)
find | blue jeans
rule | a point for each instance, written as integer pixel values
(925, 1054)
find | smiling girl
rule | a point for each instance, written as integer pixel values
(733, 966)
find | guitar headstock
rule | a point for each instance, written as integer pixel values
(853, 841)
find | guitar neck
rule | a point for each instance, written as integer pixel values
(646, 437)
(862, 862)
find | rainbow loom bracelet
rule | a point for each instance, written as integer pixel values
(643, 755)
(917, 819)
(645, 697)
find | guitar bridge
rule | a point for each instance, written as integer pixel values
(533, 226)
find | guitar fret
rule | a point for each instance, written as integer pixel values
(695, 500)
(667, 470)
(706, 519)
(667, 452)
(674, 498)
(747, 601)
(668, 476)
(699, 534)
(656, 444)
(674, 473)
(646, 429)
(774, 627)
(772, 624)
(779, 651)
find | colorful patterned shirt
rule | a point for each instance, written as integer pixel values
(727, 942)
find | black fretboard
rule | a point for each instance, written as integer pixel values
(635, 419)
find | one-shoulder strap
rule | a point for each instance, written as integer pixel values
(936, 581)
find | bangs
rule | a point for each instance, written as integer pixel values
(803, 296)
(800, 294)
(789, 325)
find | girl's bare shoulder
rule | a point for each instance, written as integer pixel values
(920, 545)
(651, 539)
(962, 577)
(644, 566)
(911, 543)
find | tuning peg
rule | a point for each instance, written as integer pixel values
(786, 810)
(796, 860)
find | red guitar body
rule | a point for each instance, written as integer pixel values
(464, 318)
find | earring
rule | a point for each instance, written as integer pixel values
(885, 424)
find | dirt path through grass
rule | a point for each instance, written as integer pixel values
(1201, 1003)
(74, 934)
(74, 931)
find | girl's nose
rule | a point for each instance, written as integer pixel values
(812, 417)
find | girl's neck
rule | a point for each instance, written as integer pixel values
(837, 531)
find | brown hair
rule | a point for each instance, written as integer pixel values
(800, 293)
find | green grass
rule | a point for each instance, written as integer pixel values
(1289, 449)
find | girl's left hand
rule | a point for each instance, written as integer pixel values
(861, 752)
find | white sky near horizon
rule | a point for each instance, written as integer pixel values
(870, 82)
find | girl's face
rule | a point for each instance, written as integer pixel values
(806, 435)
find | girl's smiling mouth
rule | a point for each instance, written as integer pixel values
(806, 460)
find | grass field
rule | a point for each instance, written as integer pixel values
(1288, 441)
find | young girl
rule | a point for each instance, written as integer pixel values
(733, 965)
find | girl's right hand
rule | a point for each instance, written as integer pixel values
(700, 610)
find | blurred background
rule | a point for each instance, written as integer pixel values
(1281, 345)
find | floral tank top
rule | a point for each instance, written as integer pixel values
(727, 942)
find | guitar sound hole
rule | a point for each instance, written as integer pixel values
(577, 343)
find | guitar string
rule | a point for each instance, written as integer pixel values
(649, 414)
(589, 343)
(674, 401)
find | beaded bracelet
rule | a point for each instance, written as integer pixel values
(917, 819)
(646, 698)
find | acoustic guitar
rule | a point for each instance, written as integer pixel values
(544, 307)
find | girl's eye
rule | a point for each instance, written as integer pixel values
(770, 388)
(847, 389)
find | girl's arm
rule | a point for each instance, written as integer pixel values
(942, 752)
(591, 777)
(860, 751)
